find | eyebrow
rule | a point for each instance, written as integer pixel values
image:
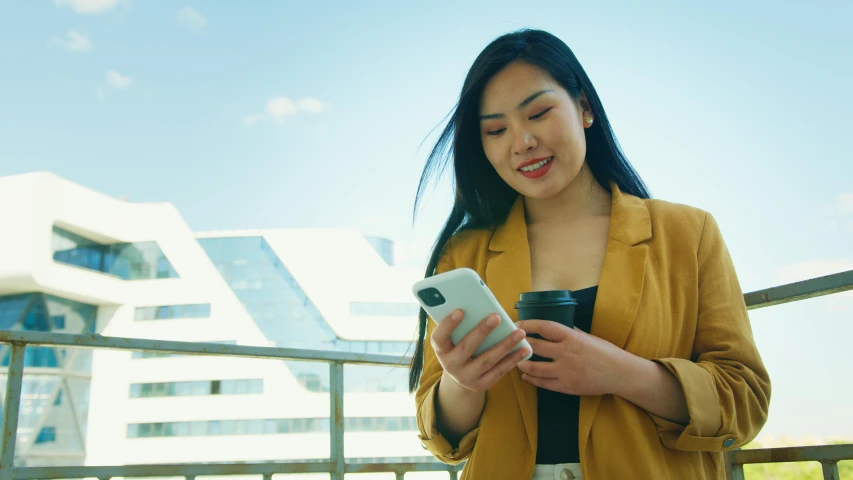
(521, 105)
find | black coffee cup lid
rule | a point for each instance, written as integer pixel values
(561, 297)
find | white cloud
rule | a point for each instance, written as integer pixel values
(191, 19)
(280, 107)
(75, 42)
(117, 80)
(88, 7)
(310, 105)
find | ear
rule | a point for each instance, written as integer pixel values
(587, 116)
(584, 103)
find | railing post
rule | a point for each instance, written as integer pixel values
(454, 474)
(737, 472)
(10, 411)
(830, 470)
(336, 418)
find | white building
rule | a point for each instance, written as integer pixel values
(74, 260)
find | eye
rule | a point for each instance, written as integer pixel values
(541, 114)
(495, 133)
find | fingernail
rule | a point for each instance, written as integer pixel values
(457, 315)
(492, 321)
(518, 335)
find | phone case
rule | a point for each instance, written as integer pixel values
(464, 289)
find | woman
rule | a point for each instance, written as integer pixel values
(662, 373)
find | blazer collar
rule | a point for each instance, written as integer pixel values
(630, 223)
(620, 286)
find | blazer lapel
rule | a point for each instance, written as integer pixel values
(508, 274)
(620, 286)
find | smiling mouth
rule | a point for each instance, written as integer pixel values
(537, 165)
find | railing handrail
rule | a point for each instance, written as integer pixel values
(247, 468)
(196, 348)
(792, 292)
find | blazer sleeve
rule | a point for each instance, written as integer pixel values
(725, 382)
(429, 435)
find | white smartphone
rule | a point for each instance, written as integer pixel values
(464, 289)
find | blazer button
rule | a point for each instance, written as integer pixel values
(567, 474)
(729, 442)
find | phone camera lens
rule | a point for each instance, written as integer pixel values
(431, 297)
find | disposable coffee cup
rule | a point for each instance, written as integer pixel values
(552, 305)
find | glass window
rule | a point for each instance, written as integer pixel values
(133, 430)
(135, 390)
(58, 322)
(145, 430)
(198, 429)
(241, 427)
(181, 429)
(242, 387)
(228, 427)
(270, 426)
(255, 427)
(184, 389)
(256, 386)
(309, 424)
(167, 312)
(213, 428)
(227, 387)
(128, 261)
(201, 388)
(46, 435)
(393, 424)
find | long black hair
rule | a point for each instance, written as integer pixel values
(483, 199)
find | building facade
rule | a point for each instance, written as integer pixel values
(75, 261)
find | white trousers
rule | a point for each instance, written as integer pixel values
(560, 471)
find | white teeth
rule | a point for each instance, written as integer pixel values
(536, 166)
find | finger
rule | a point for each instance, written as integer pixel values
(475, 337)
(441, 341)
(538, 369)
(505, 365)
(544, 348)
(546, 383)
(548, 330)
(492, 356)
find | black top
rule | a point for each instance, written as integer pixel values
(558, 412)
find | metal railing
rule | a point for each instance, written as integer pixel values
(827, 455)
(336, 464)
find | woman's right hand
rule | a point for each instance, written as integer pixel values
(479, 373)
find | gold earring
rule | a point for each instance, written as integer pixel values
(588, 120)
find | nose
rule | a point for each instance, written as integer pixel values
(524, 142)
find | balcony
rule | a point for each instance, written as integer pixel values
(336, 465)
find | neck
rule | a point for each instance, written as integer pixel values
(584, 197)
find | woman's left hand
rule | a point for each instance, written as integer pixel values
(582, 364)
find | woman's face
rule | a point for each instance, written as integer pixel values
(533, 131)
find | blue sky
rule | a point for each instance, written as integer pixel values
(311, 114)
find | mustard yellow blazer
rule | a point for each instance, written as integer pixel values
(668, 292)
